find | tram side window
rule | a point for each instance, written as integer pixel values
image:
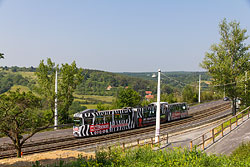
(88, 121)
(99, 120)
(77, 121)
(124, 116)
(177, 108)
(146, 113)
(117, 117)
(108, 118)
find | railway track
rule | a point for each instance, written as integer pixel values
(70, 142)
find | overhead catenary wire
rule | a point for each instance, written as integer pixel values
(182, 84)
(175, 80)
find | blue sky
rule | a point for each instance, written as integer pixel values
(115, 35)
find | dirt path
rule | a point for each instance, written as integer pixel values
(44, 158)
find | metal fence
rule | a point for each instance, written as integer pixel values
(209, 138)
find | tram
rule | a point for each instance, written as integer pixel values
(91, 122)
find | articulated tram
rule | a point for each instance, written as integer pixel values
(91, 122)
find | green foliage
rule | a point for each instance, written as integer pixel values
(70, 77)
(102, 107)
(228, 60)
(242, 153)
(96, 83)
(145, 156)
(173, 79)
(189, 94)
(76, 107)
(19, 69)
(170, 98)
(9, 80)
(146, 102)
(128, 98)
(20, 114)
(46, 83)
(210, 95)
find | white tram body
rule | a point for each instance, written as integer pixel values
(91, 122)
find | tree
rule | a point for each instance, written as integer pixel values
(1, 56)
(228, 60)
(69, 77)
(189, 94)
(76, 107)
(127, 97)
(46, 83)
(102, 107)
(170, 98)
(20, 117)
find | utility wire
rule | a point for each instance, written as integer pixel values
(182, 84)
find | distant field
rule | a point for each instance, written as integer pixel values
(91, 101)
(90, 106)
(29, 75)
(94, 98)
(22, 88)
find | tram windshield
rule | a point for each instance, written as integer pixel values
(88, 121)
(77, 121)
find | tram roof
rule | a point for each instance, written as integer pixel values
(85, 111)
(178, 103)
(155, 103)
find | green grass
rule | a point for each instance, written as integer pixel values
(29, 75)
(22, 88)
(91, 106)
(242, 153)
(227, 123)
(91, 101)
(106, 99)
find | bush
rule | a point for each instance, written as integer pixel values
(145, 156)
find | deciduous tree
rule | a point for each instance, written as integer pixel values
(21, 117)
(128, 97)
(228, 60)
(69, 77)
(189, 94)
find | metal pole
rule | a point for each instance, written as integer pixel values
(157, 129)
(199, 88)
(56, 116)
(245, 83)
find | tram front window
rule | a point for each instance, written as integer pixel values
(77, 121)
(88, 121)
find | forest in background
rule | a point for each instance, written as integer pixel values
(97, 84)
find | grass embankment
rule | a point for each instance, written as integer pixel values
(233, 121)
(145, 156)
